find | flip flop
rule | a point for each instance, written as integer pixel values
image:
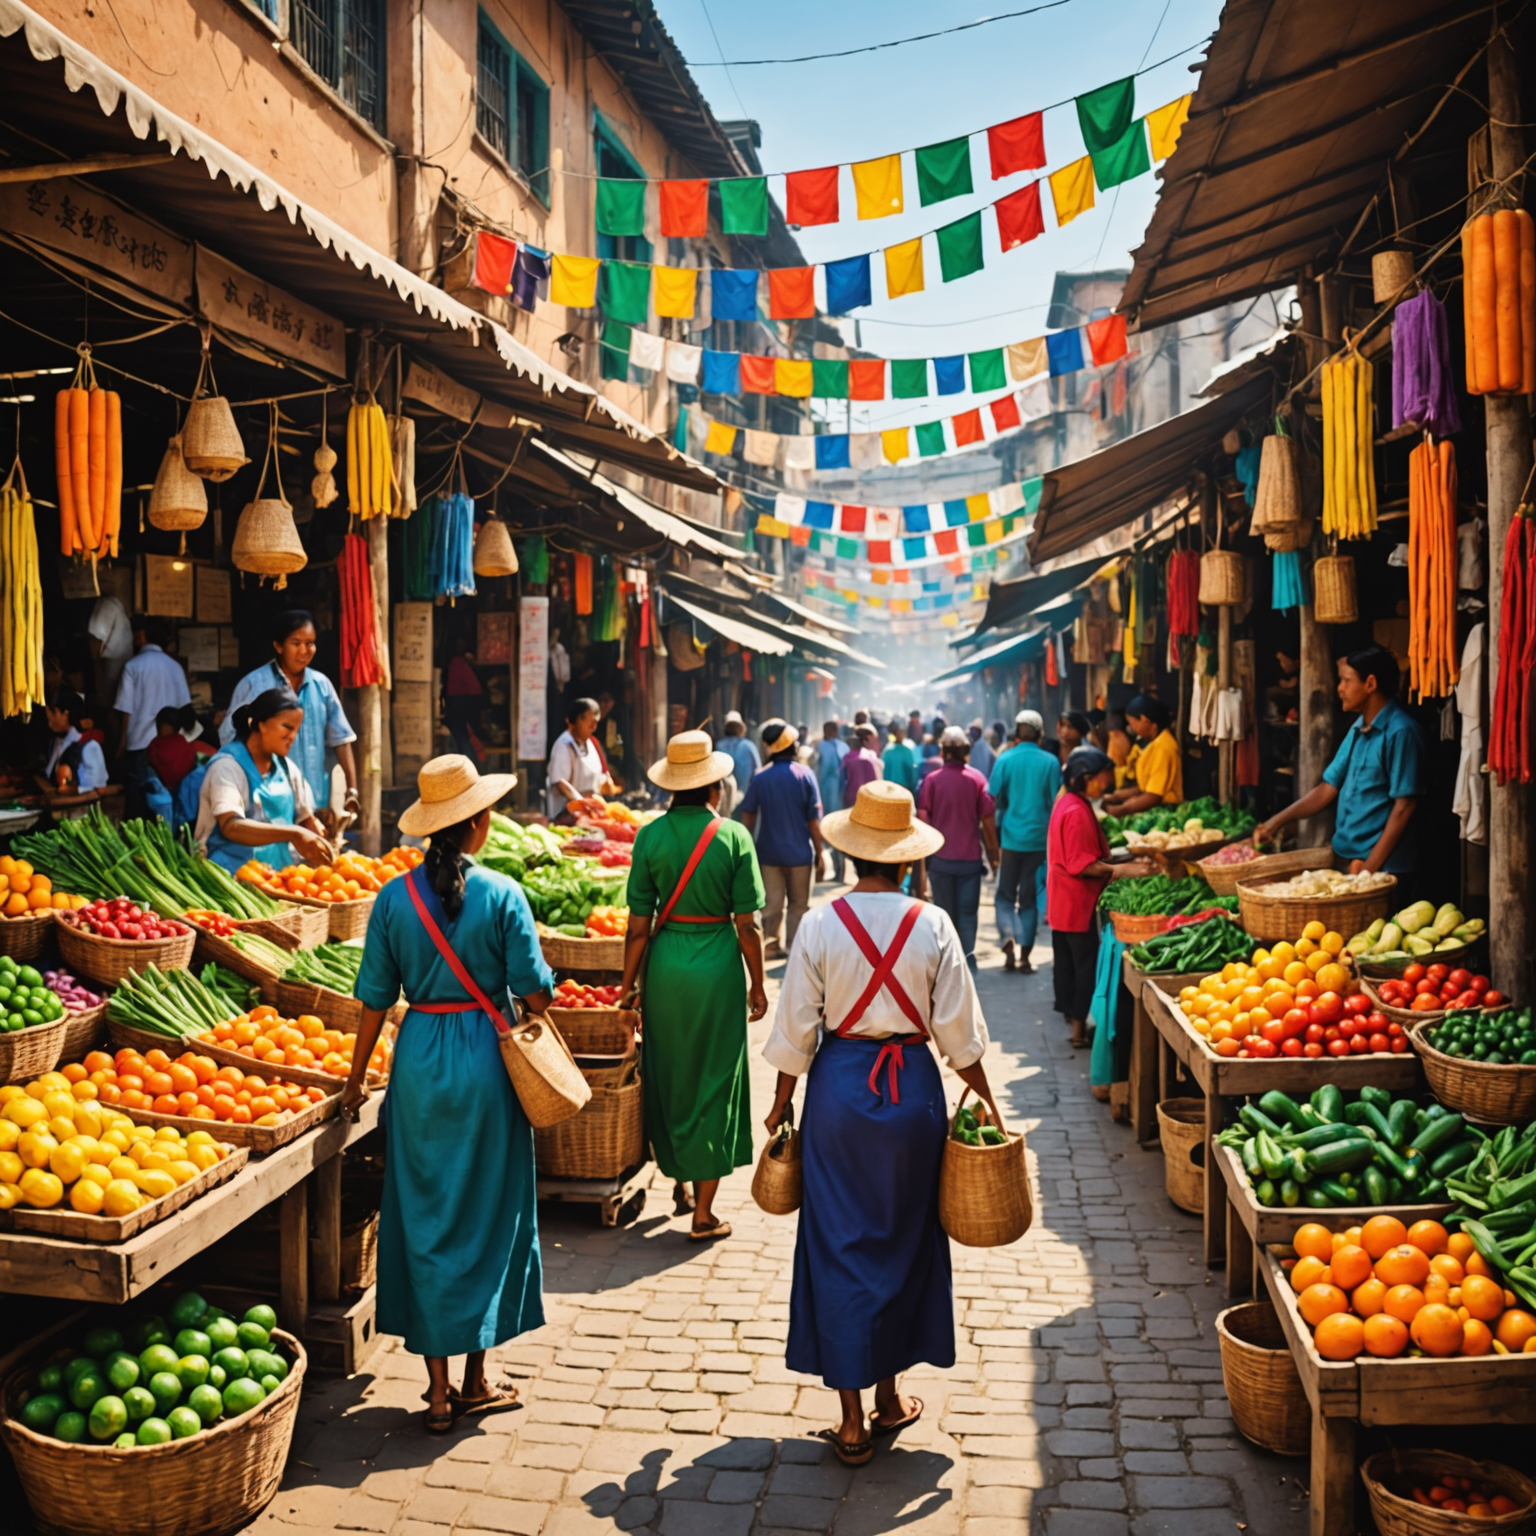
(709, 1234)
(499, 1397)
(877, 1426)
(854, 1455)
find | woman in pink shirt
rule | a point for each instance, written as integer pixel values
(1077, 870)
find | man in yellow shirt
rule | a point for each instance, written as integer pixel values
(1155, 762)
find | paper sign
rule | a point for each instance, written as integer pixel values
(532, 679)
(413, 642)
(250, 307)
(493, 642)
(411, 717)
(168, 586)
(229, 647)
(213, 598)
(109, 581)
(199, 646)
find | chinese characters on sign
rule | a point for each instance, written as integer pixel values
(236, 301)
(413, 642)
(532, 679)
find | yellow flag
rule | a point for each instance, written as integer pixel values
(792, 376)
(850, 594)
(880, 576)
(896, 444)
(1026, 359)
(875, 602)
(979, 507)
(676, 291)
(771, 525)
(573, 281)
(877, 187)
(1072, 189)
(904, 265)
(950, 621)
(721, 439)
(1165, 125)
(901, 605)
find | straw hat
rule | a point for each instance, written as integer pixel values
(786, 736)
(450, 790)
(881, 826)
(691, 763)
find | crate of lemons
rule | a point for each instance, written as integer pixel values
(165, 1378)
(61, 1148)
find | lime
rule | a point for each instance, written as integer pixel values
(217, 1376)
(270, 1384)
(154, 1432)
(50, 1378)
(140, 1403)
(223, 1333)
(207, 1403)
(277, 1365)
(109, 1418)
(166, 1389)
(262, 1315)
(253, 1336)
(70, 1427)
(242, 1395)
(150, 1330)
(262, 1362)
(192, 1341)
(214, 1314)
(78, 1367)
(191, 1371)
(122, 1371)
(187, 1311)
(183, 1422)
(158, 1357)
(234, 1362)
(41, 1411)
(88, 1386)
(102, 1341)
(125, 1441)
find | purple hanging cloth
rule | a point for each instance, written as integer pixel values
(1423, 394)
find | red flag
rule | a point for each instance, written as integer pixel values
(494, 256)
(756, 374)
(954, 567)
(1106, 339)
(967, 427)
(685, 208)
(866, 378)
(791, 293)
(1005, 413)
(947, 542)
(810, 197)
(1016, 146)
(854, 519)
(1019, 217)
(800, 535)
(879, 551)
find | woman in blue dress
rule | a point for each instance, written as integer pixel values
(459, 1268)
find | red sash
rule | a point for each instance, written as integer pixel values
(705, 839)
(884, 976)
(455, 965)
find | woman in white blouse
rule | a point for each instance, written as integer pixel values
(578, 776)
(870, 979)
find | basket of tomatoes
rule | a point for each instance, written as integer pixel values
(1437, 1493)
(592, 1021)
(1433, 990)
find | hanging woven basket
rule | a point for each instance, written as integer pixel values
(1287, 540)
(494, 555)
(1223, 582)
(1333, 586)
(1277, 501)
(210, 440)
(1391, 276)
(178, 501)
(267, 540)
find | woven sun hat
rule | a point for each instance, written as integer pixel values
(954, 736)
(777, 735)
(882, 826)
(1030, 717)
(450, 790)
(691, 763)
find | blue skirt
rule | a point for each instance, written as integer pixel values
(871, 1294)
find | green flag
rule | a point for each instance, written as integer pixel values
(976, 535)
(744, 205)
(849, 549)
(615, 350)
(988, 371)
(1106, 113)
(829, 379)
(1123, 160)
(909, 378)
(626, 292)
(943, 171)
(930, 438)
(960, 247)
(620, 207)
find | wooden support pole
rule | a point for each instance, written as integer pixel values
(1224, 749)
(293, 1257)
(370, 731)
(326, 1250)
(1508, 434)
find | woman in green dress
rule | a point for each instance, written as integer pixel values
(693, 875)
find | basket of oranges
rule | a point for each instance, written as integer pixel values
(345, 888)
(27, 904)
(1437, 1493)
(306, 1050)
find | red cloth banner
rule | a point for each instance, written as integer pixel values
(1019, 218)
(791, 293)
(879, 551)
(854, 519)
(757, 374)
(810, 197)
(1106, 339)
(866, 378)
(801, 536)
(685, 208)
(967, 427)
(1005, 413)
(947, 542)
(1018, 145)
(494, 256)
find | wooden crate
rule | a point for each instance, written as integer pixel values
(341, 1335)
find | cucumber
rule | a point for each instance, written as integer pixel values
(1290, 1192)
(1318, 1198)
(1377, 1190)
(1336, 1192)
(1401, 1123)
(1280, 1106)
(1328, 1101)
(1341, 1156)
(1438, 1134)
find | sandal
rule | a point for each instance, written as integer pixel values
(503, 1395)
(709, 1234)
(682, 1202)
(854, 1455)
(438, 1423)
(877, 1426)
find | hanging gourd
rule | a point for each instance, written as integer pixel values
(370, 469)
(1498, 257)
(88, 448)
(267, 541)
(21, 600)
(1277, 501)
(322, 489)
(210, 440)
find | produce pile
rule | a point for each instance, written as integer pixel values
(122, 918)
(1292, 1000)
(23, 892)
(1330, 1152)
(1209, 812)
(259, 951)
(1496, 1194)
(1500, 1039)
(513, 849)
(565, 894)
(234, 990)
(1154, 895)
(1193, 947)
(608, 922)
(618, 823)
(170, 1378)
(333, 966)
(194, 1087)
(348, 877)
(26, 997)
(1461, 1496)
(1416, 931)
(1234, 853)
(171, 1003)
(1327, 883)
(974, 1131)
(64, 1136)
(1388, 1290)
(76, 998)
(573, 994)
(609, 854)
(1434, 988)
(1193, 834)
(265, 1036)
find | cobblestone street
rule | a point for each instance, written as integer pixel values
(1086, 1399)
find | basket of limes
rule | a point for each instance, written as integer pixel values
(33, 1022)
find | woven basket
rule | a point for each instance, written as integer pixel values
(984, 1198)
(582, 954)
(602, 1140)
(1223, 580)
(25, 938)
(1391, 1476)
(778, 1183)
(26, 1053)
(209, 1484)
(211, 947)
(1263, 1386)
(259, 1138)
(210, 440)
(1132, 930)
(109, 960)
(1273, 918)
(494, 555)
(308, 922)
(1223, 878)
(1181, 1127)
(1391, 276)
(335, 1008)
(344, 919)
(178, 500)
(83, 1031)
(360, 1253)
(1403, 1016)
(267, 541)
(1497, 1095)
(597, 1031)
(1277, 500)
(1287, 540)
(1333, 589)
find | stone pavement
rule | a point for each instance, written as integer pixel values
(1086, 1399)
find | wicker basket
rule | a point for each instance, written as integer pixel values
(1391, 276)
(1223, 579)
(597, 1031)
(778, 1184)
(309, 925)
(343, 919)
(1132, 930)
(1333, 590)
(1273, 918)
(210, 440)
(1263, 1386)
(582, 954)
(1223, 878)
(211, 947)
(26, 1053)
(1496, 1095)
(260, 1139)
(109, 960)
(178, 500)
(267, 542)
(1403, 1016)
(1181, 1127)
(1277, 500)
(1287, 540)
(602, 1140)
(25, 938)
(337, 1011)
(210, 1484)
(1391, 1476)
(494, 555)
(984, 1198)
(83, 1032)
(360, 1253)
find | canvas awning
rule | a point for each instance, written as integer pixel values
(1011, 602)
(749, 638)
(1022, 647)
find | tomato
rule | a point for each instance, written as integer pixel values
(1427, 988)
(1357, 1003)
(1312, 1048)
(1273, 1030)
(1338, 1047)
(1492, 999)
(1265, 1048)
(1359, 1044)
(1479, 983)
(1399, 1044)
(1314, 1034)
(1467, 999)
(1438, 972)
(1326, 1008)
(1394, 1028)
(1331, 1032)
(1380, 1042)
(1460, 978)
(1413, 973)
(1351, 1027)
(1291, 1047)
(1295, 1022)
(1425, 1002)
(1377, 1021)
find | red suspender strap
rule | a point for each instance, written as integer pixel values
(890, 1050)
(453, 962)
(705, 839)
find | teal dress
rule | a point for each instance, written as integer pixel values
(459, 1266)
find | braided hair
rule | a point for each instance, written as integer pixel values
(444, 865)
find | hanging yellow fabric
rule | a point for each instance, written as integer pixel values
(1349, 457)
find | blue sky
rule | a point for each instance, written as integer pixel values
(898, 98)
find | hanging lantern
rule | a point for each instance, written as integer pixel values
(178, 501)
(267, 540)
(494, 555)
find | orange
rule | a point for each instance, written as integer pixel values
(1314, 1241)
(1381, 1233)
(1437, 1330)
(1448, 1268)
(1351, 1266)
(1476, 1264)
(1320, 1301)
(1385, 1336)
(1515, 1329)
(1428, 1235)
(1483, 1298)
(1476, 1339)
(1339, 1337)
(1307, 1271)
(1402, 1265)
(1436, 1289)
(1404, 1302)
(1459, 1246)
(1368, 1298)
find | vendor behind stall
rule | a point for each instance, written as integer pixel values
(1376, 776)
(326, 728)
(75, 773)
(578, 773)
(1155, 767)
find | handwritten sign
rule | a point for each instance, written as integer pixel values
(251, 307)
(411, 718)
(78, 221)
(532, 679)
(493, 640)
(413, 642)
(168, 586)
(440, 393)
(199, 646)
(213, 597)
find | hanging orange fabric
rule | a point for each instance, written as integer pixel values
(583, 575)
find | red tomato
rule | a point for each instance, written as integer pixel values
(1438, 972)
(1274, 1031)
(1357, 1003)
(1379, 1042)
(1394, 1028)
(1377, 1020)
(1312, 1048)
(1467, 999)
(1460, 978)
(1492, 999)
(1263, 1048)
(1314, 1032)
(1429, 987)
(1479, 983)
(1338, 1047)
(1413, 973)
(1326, 1008)
(1399, 1044)
(1359, 1044)
(1291, 1047)
(1332, 1032)
(1295, 1022)
(1425, 1002)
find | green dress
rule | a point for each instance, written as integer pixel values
(695, 994)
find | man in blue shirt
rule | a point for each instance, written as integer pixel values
(1024, 783)
(900, 762)
(830, 752)
(741, 751)
(784, 796)
(1376, 776)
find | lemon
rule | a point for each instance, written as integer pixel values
(11, 1168)
(1314, 930)
(138, 1151)
(42, 1189)
(60, 1103)
(94, 1173)
(155, 1182)
(12, 1091)
(1332, 942)
(123, 1168)
(67, 1161)
(1318, 959)
(54, 1082)
(121, 1198)
(35, 1148)
(203, 1156)
(89, 1120)
(102, 1153)
(167, 1133)
(137, 1132)
(183, 1171)
(200, 1139)
(84, 1089)
(158, 1160)
(61, 1127)
(115, 1137)
(10, 1133)
(25, 1112)
(87, 1197)
(10, 1195)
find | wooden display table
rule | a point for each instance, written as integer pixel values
(1485, 1389)
(1231, 1077)
(1146, 1085)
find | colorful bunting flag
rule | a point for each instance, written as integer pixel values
(1106, 339)
(647, 351)
(1026, 359)
(573, 281)
(895, 444)
(722, 373)
(943, 171)
(626, 291)
(866, 378)
(877, 187)
(1072, 190)
(762, 448)
(685, 209)
(988, 372)
(904, 267)
(832, 453)
(847, 284)
(909, 378)
(759, 375)
(1018, 145)
(930, 438)
(949, 375)
(960, 248)
(721, 438)
(683, 362)
(620, 207)
(810, 197)
(1105, 114)
(1019, 218)
(744, 205)
(1123, 160)
(614, 351)
(1005, 413)
(1064, 352)
(792, 377)
(495, 256)
(733, 293)
(676, 289)
(791, 293)
(1165, 124)
(829, 379)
